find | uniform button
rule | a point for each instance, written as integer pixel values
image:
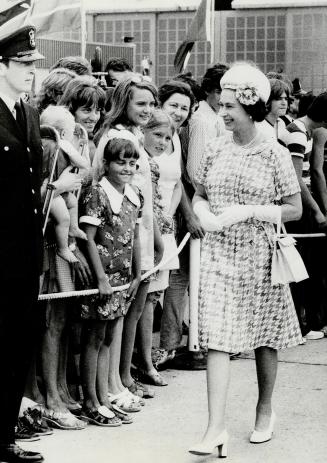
(6, 148)
(31, 170)
(28, 150)
(33, 191)
(35, 211)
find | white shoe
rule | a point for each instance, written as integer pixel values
(314, 335)
(221, 443)
(258, 437)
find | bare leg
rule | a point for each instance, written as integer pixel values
(145, 328)
(61, 215)
(62, 373)
(32, 390)
(50, 355)
(115, 383)
(266, 363)
(130, 323)
(72, 206)
(104, 365)
(218, 374)
(94, 334)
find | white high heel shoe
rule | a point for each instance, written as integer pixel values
(258, 437)
(221, 443)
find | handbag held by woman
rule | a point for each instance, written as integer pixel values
(287, 265)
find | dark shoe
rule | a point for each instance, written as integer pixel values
(36, 415)
(34, 425)
(102, 416)
(23, 433)
(187, 361)
(14, 454)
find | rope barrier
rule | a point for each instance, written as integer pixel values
(91, 292)
(305, 235)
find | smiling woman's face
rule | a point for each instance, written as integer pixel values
(177, 107)
(140, 107)
(87, 117)
(232, 112)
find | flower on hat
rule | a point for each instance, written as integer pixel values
(247, 94)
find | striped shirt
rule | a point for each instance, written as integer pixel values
(300, 144)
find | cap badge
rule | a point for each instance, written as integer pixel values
(32, 38)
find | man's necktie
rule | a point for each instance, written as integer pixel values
(19, 116)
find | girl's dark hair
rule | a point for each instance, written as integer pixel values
(211, 79)
(257, 111)
(83, 91)
(278, 87)
(120, 98)
(171, 87)
(119, 146)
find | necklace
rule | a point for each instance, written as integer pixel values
(247, 145)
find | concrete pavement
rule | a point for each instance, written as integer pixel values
(176, 418)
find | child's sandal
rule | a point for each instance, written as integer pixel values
(102, 416)
(123, 416)
(125, 402)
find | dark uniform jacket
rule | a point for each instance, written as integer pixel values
(20, 210)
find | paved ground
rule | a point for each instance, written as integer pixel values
(175, 419)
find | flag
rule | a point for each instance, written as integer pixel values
(47, 16)
(200, 29)
(12, 15)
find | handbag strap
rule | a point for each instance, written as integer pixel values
(284, 229)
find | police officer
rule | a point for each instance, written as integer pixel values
(20, 231)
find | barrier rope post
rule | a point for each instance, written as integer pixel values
(193, 338)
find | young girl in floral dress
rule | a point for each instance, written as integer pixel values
(110, 216)
(133, 102)
(158, 134)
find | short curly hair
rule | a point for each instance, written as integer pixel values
(212, 76)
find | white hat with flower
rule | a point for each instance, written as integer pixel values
(249, 83)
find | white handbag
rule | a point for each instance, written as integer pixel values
(287, 265)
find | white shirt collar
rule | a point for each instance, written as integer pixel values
(116, 198)
(8, 101)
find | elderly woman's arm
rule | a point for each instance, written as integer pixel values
(291, 207)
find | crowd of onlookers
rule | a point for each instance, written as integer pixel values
(119, 165)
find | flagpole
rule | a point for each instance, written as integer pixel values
(83, 29)
(212, 32)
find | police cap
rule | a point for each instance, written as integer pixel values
(20, 45)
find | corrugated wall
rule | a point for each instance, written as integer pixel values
(55, 49)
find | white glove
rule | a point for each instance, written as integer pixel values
(268, 213)
(209, 221)
(235, 214)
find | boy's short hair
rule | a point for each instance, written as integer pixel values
(77, 64)
(116, 65)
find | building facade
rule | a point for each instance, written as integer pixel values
(282, 35)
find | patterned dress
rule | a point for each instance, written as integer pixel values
(115, 219)
(239, 309)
